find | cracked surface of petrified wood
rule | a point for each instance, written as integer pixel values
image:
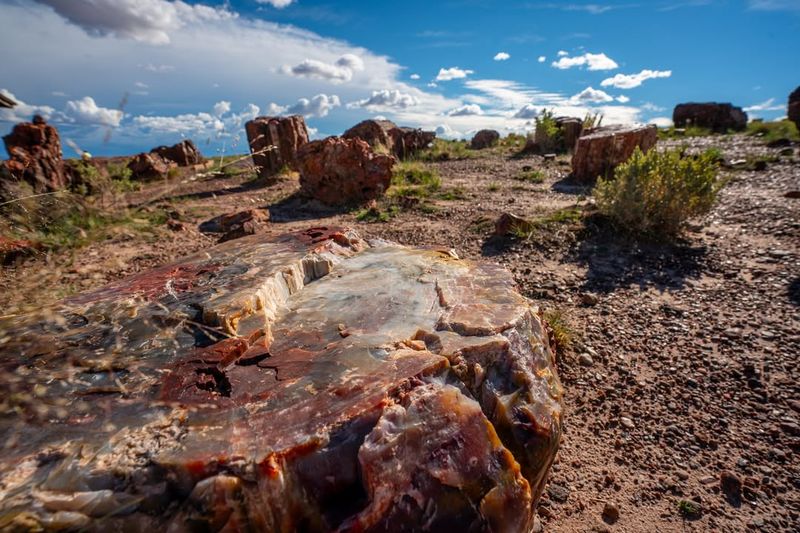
(307, 382)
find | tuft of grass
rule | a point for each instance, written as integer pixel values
(414, 179)
(772, 131)
(677, 133)
(374, 214)
(561, 333)
(532, 176)
(592, 120)
(689, 509)
(493, 186)
(548, 135)
(564, 216)
(656, 193)
(444, 150)
(456, 193)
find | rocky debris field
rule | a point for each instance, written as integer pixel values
(682, 404)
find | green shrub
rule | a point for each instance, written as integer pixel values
(592, 120)
(548, 134)
(561, 332)
(657, 192)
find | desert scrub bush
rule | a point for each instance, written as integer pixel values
(773, 131)
(415, 179)
(656, 193)
(548, 134)
(592, 120)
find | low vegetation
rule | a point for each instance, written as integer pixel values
(568, 216)
(677, 133)
(444, 150)
(773, 131)
(415, 179)
(656, 193)
(531, 176)
(561, 333)
(414, 184)
(548, 134)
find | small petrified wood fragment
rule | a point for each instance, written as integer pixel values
(306, 382)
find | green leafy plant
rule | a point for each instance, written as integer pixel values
(444, 150)
(414, 179)
(548, 134)
(656, 193)
(561, 333)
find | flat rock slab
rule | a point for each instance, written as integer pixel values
(310, 382)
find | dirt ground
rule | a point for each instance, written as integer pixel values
(684, 365)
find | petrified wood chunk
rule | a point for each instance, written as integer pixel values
(184, 154)
(484, 139)
(274, 142)
(306, 382)
(712, 115)
(149, 166)
(338, 171)
(793, 110)
(374, 132)
(599, 153)
(34, 151)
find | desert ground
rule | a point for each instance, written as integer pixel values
(679, 359)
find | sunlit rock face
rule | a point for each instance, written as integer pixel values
(307, 382)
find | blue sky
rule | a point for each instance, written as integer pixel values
(121, 76)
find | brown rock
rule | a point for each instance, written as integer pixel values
(300, 382)
(34, 149)
(714, 116)
(793, 111)
(184, 154)
(484, 139)
(610, 512)
(12, 250)
(374, 132)
(384, 135)
(509, 224)
(149, 167)
(571, 129)
(274, 142)
(599, 153)
(731, 485)
(408, 141)
(339, 171)
(243, 223)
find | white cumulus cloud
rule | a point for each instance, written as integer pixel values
(23, 112)
(221, 107)
(622, 99)
(86, 111)
(588, 60)
(149, 21)
(542, 59)
(318, 106)
(466, 111)
(629, 81)
(502, 56)
(414, 76)
(340, 71)
(386, 98)
(280, 4)
(590, 95)
(453, 73)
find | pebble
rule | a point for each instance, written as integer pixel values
(610, 512)
(627, 423)
(585, 359)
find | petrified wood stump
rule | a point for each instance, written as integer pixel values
(310, 382)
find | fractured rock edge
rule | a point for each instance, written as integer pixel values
(492, 363)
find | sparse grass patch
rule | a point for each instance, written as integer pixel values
(560, 217)
(456, 193)
(481, 225)
(772, 131)
(444, 150)
(375, 214)
(656, 193)
(414, 179)
(493, 186)
(561, 333)
(532, 176)
(677, 133)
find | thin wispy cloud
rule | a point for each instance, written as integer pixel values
(630, 81)
(588, 60)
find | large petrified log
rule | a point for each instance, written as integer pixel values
(714, 116)
(386, 135)
(308, 382)
(274, 142)
(339, 171)
(150, 166)
(34, 150)
(183, 154)
(597, 154)
(484, 139)
(793, 111)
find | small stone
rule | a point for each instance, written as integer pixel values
(558, 493)
(589, 299)
(585, 359)
(627, 423)
(682, 475)
(731, 485)
(610, 512)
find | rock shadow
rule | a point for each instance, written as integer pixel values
(793, 291)
(615, 260)
(297, 207)
(570, 185)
